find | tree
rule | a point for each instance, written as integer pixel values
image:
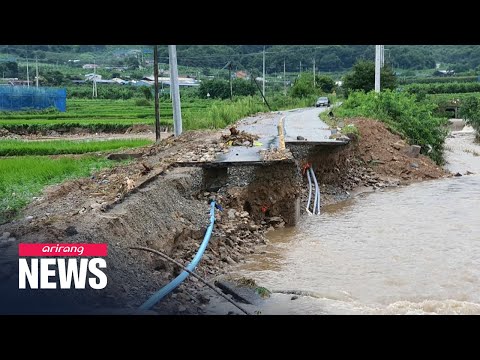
(242, 87)
(221, 88)
(53, 78)
(325, 83)
(330, 62)
(362, 77)
(216, 88)
(147, 92)
(9, 69)
(303, 86)
(470, 112)
(132, 62)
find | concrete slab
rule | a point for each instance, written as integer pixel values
(265, 126)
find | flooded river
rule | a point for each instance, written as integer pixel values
(407, 250)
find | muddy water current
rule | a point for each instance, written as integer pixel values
(405, 250)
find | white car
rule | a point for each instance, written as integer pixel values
(322, 101)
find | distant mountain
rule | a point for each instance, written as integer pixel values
(329, 58)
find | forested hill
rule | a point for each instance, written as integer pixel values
(327, 57)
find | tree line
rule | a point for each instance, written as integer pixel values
(298, 58)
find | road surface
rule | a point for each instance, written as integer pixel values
(300, 126)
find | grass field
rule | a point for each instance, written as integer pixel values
(96, 115)
(55, 147)
(118, 115)
(22, 178)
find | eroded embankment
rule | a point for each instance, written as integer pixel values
(153, 203)
(376, 159)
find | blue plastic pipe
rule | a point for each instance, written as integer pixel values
(167, 289)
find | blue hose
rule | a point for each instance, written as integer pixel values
(167, 289)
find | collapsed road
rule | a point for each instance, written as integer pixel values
(254, 170)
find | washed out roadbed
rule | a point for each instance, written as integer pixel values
(374, 160)
(154, 203)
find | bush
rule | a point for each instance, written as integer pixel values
(147, 92)
(404, 115)
(142, 102)
(325, 83)
(470, 112)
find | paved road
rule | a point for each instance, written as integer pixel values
(306, 124)
(266, 127)
(298, 122)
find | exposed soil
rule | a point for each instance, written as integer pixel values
(153, 202)
(134, 132)
(375, 160)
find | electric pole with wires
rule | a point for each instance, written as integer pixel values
(157, 105)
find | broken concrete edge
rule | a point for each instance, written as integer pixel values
(213, 164)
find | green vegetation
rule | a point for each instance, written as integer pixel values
(207, 60)
(24, 177)
(437, 79)
(55, 147)
(304, 85)
(93, 115)
(111, 92)
(220, 89)
(443, 88)
(362, 77)
(118, 115)
(222, 113)
(350, 129)
(470, 111)
(263, 292)
(403, 114)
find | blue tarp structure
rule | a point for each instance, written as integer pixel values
(15, 98)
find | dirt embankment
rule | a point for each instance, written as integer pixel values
(151, 202)
(376, 159)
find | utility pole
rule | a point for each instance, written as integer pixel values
(377, 67)
(314, 82)
(284, 79)
(177, 112)
(230, 76)
(300, 67)
(28, 77)
(157, 105)
(382, 56)
(36, 71)
(94, 90)
(263, 92)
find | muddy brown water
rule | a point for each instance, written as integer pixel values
(407, 250)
